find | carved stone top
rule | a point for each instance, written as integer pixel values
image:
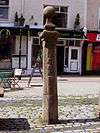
(49, 12)
(49, 34)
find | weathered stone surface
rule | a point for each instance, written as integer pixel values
(1, 91)
(50, 96)
(49, 12)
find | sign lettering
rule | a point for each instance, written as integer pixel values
(98, 37)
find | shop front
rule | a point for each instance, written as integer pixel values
(6, 48)
(19, 48)
(72, 59)
(92, 53)
(13, 47)
(68, 49)
(23, 48)
(69, 52)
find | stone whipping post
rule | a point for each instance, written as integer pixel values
(98, 109)
(50, 97)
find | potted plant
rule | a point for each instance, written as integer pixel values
(21, 20)
(16, 19)
(77, 22)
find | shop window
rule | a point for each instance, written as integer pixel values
(5, 53)
(36, 55)
(71, 42)
(36, 52)
(37, 41)
(77, 42)
(60, 18)
(4, 7)
(74, 54)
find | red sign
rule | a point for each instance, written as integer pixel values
(98, 37)
(96, 58)
(93, 37)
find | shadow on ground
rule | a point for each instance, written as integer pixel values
(79, 120)
(13, 89)
(14, 124)
(36, 85)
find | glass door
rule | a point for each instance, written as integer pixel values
(74, 59)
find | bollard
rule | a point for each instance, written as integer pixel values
(50, 97)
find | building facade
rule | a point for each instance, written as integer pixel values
(93, 15)
(35, 8)
(22, 46)
(91, 48)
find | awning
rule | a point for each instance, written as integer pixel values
(93, 37)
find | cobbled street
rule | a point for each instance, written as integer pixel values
(21, 109)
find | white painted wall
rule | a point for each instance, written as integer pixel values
(14, 5)
(35, 8)
(27, 8)
(92, 14)
(74, 7)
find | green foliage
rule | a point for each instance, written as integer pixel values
(77, 19)
(39, 55)
(16, 17)
(19, 21)
(77, 22)
(4, 33)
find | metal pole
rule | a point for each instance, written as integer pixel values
(20, 48)
(27, 47)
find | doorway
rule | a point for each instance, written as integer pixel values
(72, 59)
(60, 61)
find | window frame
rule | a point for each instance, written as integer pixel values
(5, 6)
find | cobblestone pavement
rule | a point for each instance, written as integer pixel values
(20, 110)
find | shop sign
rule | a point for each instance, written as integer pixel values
(65, 35)
(98, 37)
(77, 36)
(71, 35)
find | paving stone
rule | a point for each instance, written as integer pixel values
(56, 132)
(68, 132)
(18, 104)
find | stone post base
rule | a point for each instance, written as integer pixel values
(1, 91)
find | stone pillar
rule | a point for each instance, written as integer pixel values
(98, 109)
(50, 97)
